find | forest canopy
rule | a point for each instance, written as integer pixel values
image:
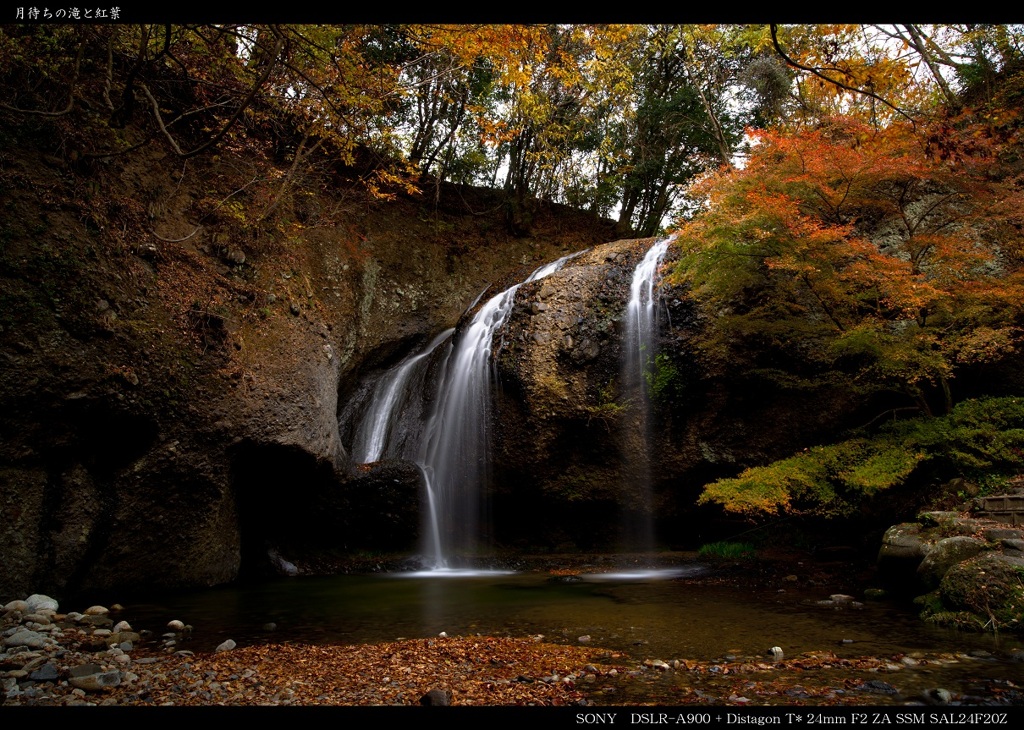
(618, 119)
(614, 118)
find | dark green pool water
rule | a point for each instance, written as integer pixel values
(645, 618)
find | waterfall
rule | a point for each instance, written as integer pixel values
(451, 444)
(637, 363)
(455, 451)
(640, 318)
(380, 437)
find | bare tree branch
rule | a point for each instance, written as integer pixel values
(836, 82)
(919, 42)
(177, 240)
(234, 117)
(71, 92)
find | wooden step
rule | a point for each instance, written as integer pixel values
(1008, 508)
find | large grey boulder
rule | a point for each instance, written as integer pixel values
(989, 586)
(903, 548)
(944, 554)
(38, 602)
(31, 639)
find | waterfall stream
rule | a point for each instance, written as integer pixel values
(640, 317)
(638, 361)
(451, 446)
(455, 450)
(380, 436)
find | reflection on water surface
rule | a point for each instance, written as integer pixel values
(643, 613)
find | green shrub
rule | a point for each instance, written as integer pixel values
(664, 382)
(981, 440)
(726, 551)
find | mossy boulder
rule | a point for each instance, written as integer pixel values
(902, 551)
(938, 518)
(970, 567)
(904, 542)
(944, 554)
(990, 586)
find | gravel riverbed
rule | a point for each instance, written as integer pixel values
(95, 657)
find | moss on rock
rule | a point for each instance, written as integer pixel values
(989, 586)
(944, 554)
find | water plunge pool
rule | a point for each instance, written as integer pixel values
(637, 616)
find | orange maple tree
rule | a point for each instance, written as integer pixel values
(855, 249)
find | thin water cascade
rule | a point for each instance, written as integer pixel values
(379, 435)
(640, 316)
(637, 363)
(455, 449)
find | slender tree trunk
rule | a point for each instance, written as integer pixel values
(918, 41)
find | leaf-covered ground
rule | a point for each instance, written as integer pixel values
(476, 671)
(494, 671)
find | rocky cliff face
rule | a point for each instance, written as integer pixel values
(172, 362)
(575, 451)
